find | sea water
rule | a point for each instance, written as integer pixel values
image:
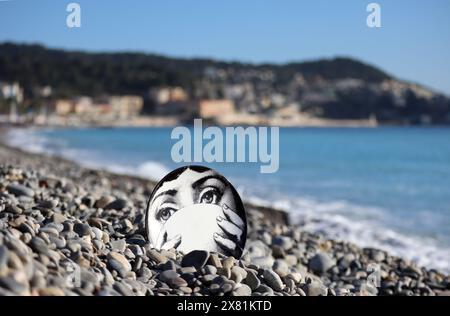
(386, 187)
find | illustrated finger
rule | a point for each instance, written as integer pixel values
(232, 216)
(229, 228)
(172, 243)
(224, 243)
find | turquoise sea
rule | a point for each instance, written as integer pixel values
(386, 187)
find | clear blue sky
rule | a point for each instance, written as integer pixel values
(413, 43)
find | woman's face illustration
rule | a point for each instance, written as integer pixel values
(190, 187)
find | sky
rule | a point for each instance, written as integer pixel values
(413, 42)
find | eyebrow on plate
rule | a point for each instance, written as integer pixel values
(168, 192)
(202, 180)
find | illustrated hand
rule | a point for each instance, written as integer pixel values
(231, 240)
(165, 244)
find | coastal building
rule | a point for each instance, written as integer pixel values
(215, 109)
(11, 91)
(80, 105)
(163, 95)
(126, 106)
(63, 107)
(114, 107)
(83, 105)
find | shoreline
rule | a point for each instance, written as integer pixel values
(275, 215)
(304, 263)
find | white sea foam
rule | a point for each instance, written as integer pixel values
(361, 225)
(26, 140)
(150, 170)
(34, 142)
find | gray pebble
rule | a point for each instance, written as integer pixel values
(20, 190)
(118, 204)
(263, 262)
(265, 290)
(210, 269)
(118, 245)
(156, 256)
(281, 267)
(196, 258)
(242, 290)
(316, 289)
(228, 262)
(3, 259)
(13, 285)
(273, 280)
(103, 201)
(82, 229)
(167, 275)
(118, 262)
(284, 242)
(252, 280)
(214, 260)
(238, 274)
(321, 263)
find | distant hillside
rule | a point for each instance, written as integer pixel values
(70, 72)
(339, 88)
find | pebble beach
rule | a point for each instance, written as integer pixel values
(69, 230)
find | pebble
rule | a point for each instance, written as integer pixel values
(50, 204)
(103, 201)
(225, 272)
(316, 289)
(196, 258)
(252, 280)
(321, 263)
(118, 245)
(119, 263)
(263, 262)
(273, 280)
(177, 282)
(188, 270)
(214, 260)
(228, 262)
(13, 285)
(210, 269)
(227, 287)
(20, 190)
(284, 242)
(37, 244)
(123, 289)
(185, 289)
(168, 265)
(116, 205)
(51, 291)
(58, 218)
(238, 274)
(167, 275)
(3, 259)
(281, 267)
(242, 290)
(264, 289)
(157, 257)
(295, 276)
(60, 243)
(82, 229)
